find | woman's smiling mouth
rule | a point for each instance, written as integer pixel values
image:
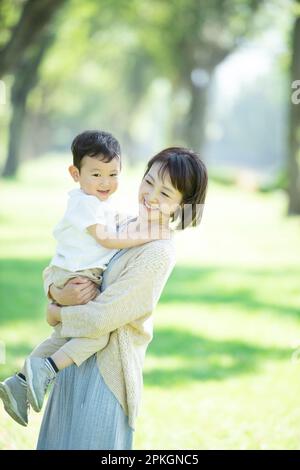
(148, 207)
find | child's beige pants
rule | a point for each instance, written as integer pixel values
(78, 349)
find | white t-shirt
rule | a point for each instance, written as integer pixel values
(76, 248)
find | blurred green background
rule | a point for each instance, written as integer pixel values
(217, 76)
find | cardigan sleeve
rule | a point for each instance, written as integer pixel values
(132, 295)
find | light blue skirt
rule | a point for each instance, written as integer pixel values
(82, 413)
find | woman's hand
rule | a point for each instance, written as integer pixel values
(77, 291)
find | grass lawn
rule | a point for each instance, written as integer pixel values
(218, 373)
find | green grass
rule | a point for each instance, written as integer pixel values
(218, 373)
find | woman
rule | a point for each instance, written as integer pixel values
(94, 406)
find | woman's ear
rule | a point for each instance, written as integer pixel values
(178, 210)
(178, 217)
(74, 172)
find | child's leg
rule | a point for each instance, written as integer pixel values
(53, 344)
(40, 372)
(64, 358)
(13, 391)
(52, 354)
(49, 346)
(61, 359)
(78, 350)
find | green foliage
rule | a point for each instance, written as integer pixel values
(9, 13)
(108, 54)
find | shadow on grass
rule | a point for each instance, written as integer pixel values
(21, 290)
(209, 285)
(23, 300)
(202, 359)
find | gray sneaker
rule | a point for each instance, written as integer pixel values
(38, 377)
(14, 397)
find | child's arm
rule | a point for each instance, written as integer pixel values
(132, 237)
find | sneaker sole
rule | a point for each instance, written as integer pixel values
(10, 405)
(30, 390)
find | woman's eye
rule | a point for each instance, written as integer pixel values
(149, 182)
(96, 174)
(165, 194)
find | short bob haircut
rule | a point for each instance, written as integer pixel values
(189, 176)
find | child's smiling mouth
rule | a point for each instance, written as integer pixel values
(103, 193)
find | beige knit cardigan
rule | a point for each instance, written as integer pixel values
(132, 285)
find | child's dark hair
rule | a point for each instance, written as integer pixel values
(93, 144)
(188, 175)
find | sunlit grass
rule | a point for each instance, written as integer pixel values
(218, 373)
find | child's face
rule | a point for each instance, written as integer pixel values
(158, 198)
(96, 177)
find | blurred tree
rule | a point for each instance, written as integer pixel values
(135, 43)
(34, 17)
(294, 124)
(94, 76)
(21, 55)
(26, 76)
(188, 39)
(110, 52)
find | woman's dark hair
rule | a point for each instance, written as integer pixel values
(188, 175)
(93, 144)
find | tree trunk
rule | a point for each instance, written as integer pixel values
(294, 130)
(194, 130)
(21, 55)
(25, 79)
(15, 132)
(35, 16)
(197, 67)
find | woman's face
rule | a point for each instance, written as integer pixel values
(158, 199)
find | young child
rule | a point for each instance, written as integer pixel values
(87, 239)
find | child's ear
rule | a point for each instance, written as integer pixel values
(74, 172)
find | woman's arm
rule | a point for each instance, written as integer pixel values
(134, 294)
